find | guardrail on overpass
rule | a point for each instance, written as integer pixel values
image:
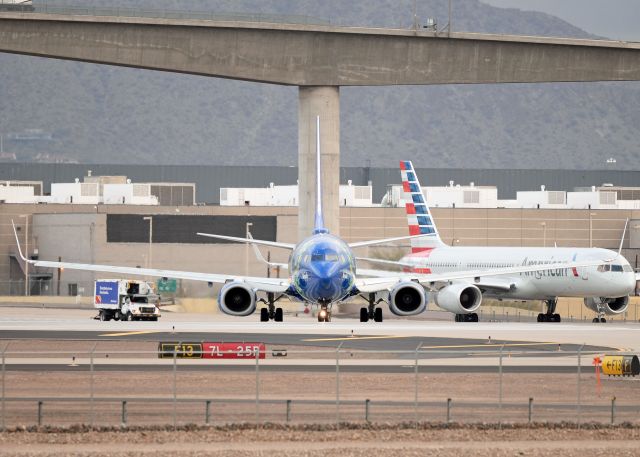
(55, 8)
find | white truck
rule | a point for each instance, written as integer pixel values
(126, 300)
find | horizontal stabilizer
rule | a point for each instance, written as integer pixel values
(273, 244)
(360, 244)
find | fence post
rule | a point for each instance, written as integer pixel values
(207, 412)
(366, 410)
(3, 388)
(500, 385)
(257, 386)
(415, 396)
(288, 410)
(175, 381)
(448, 410)
(338, 383)
(39, 413)
(91, 384)
(613, 410)
(124, 413)
(530, 408)
(578, 381)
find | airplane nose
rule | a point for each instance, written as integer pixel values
(326, 283)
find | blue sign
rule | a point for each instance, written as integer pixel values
(106, 292)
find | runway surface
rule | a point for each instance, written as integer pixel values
(396, 334)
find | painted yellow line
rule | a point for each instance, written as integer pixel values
(142, 332)
(347, 338)
(484, 345)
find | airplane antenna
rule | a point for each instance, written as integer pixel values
(624, 232)
(319, 223)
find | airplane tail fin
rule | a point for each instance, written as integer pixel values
(319, 220)
(418, 215)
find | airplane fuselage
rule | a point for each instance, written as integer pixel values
(614, 280)
(323, 270)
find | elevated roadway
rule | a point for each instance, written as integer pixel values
(318, 59)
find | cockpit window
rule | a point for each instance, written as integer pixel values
(324, 256)
(616, 268)
(627, 268)
(603, 268)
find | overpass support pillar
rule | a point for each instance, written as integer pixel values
(323, 101)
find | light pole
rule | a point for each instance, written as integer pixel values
(591, 229)
(246, 250)
(544, 234)
(26, 254)
(150, 219)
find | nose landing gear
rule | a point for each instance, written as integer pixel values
(324, 315)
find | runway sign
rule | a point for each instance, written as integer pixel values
(166, 350)
(621, 365)
(233, 350)
(181, 350)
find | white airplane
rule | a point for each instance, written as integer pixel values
(605, 287)
(322, 271)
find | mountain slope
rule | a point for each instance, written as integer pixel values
(119, 115)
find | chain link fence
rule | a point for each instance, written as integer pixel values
(102, 384)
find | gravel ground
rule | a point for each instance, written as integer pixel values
(313, 440)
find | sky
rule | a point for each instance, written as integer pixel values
(615, 19)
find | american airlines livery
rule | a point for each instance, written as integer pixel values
(604, 287)
(322, 271)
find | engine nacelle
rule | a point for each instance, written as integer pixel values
(407, 299)
(237, 299)
(459, 298)
(607, 305)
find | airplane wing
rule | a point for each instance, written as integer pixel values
(387, 279)
(276, 285)
(276, 244)
(273, 244)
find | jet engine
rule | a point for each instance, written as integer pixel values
(407, 299)
(607, 305)
(459, 298)
(237, 299)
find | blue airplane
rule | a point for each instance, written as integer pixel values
(322, 272)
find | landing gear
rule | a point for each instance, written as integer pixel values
(271, 313)
(550, 315)
(371, 311)
(471, 317)
(599, 320)
(324, 315)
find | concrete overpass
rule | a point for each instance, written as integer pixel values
(318, 59)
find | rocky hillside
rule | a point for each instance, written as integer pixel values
(100, 114)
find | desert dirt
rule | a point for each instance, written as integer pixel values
(313, 440)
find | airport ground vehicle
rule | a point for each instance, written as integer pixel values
(126, 300)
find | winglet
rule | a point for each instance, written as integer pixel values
(15, 233)
(256, 251)
(624, 232)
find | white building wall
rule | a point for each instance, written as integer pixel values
(128, 194)
(78, 193)
(17, 194)
(360, 196)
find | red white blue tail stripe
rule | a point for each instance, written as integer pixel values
(418, 214)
